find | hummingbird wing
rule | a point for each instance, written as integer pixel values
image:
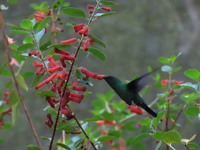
(139, 83)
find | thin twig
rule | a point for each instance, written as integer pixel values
(53, 26)
(16, 84)
(177, 117)
(187, 147)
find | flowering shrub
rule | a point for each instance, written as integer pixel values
(58, 81)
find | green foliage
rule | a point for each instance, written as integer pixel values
(171, 137)
(97, 53)
(74, 12)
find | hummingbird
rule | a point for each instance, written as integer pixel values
(129, 92)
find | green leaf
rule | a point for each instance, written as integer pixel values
(159, 117)
(99, 42)
(139, 138)
(106, 138)
(2, 67)
(105, 14)
(78, 74)
(108, 3)
(28, 39)
(13, 98)
(20, 31)
(109, 95)
(158, 135)
(176, 69)
(36, 80)
(97, 53)
(114, 133)
(164, 60)
(193, 74)
(45, 45)
(15, 112)
(43, 23)
(62, 145)
(69, 25)
(6, 126)
(146, 90)
(36, 7)
(146, 121)
(40, 34)
(190, 85)
(27, 74)
(7, 73)
(44, 6)
(166, 68)
(65, 4)
(129, 126)
(46, 93)
(26, 24)
(67, 128)
(74, 12)
(144, 129)
(98, 104)
(25, 47)
(192, 111)
(12, 1)
(21, 82)
(95, 118)
(33, 147)
(1, 141)
(193, 144)
(107, 116)
(139, 145)
(60, 46)
(45, 138)
(9, 84)
(189, 121)
(173, 58)
(86, 81)
(171, 137)
(78, 143)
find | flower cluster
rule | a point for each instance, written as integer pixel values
(49, 121)
(135, 109)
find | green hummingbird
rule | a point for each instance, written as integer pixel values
(129, 92)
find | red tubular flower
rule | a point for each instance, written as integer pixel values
(88, 73)
(110, 122)
(58, 87)
(49, 13)
(78, 27)
(121, 126)
(31, 53)
(63, 63)
(36, 64)
(50, 59)
(41, 14)
(91, 11)
(196, 105)
(75, 84)
(43, 72)
(100, 122)
(178, 82)
(80, 88)
(90, 7)
(48, 123)
(108, 9)
(39, 71)
(6, 100)
(36, 53)
(171, 92)
(52, 70)
(7, 112)
(104, 132)
(50, 119)
(48, 99)
(85, 46)
(40, 85)
(84, 31)
(171, 99)
(77, 95)
(64, 57)
(50, 78)
(135, 109)
(67, 112)
(6, 93)
(38, 18)
(61, 52)
(100, 77)
(68, 41)
(91, 41)
(164, 82)
(138, 124)
(74, 99)
(59, 29)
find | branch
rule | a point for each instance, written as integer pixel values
(177, 117)
(15, 81)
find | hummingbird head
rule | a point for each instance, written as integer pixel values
(111, 80)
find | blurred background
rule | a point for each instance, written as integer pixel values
(138, 34)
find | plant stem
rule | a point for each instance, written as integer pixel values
(16, 84)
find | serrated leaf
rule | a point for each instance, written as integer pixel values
(105, 14)
(26, 24)
(22, 82)
(74, 12)
(13, 98)
(106, 138)
(164, 60)
(25, 47)
(108, 3)
(190, 85)
(46, 93)
(33, 147)
(99, 42)
(176, 69)
(45, 45)
(43, 23)
(193, 74)
(20, 31)
(166, 68)
(40, 34)
(36, 80)
(2, 67)
(171, 137)
(60, 46)
(139, 138)
(97, 53)
(27, 74)
(62, 145)
(192, 111)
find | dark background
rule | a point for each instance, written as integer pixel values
(136, 36)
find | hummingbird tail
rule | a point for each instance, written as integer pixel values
(150, 111)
